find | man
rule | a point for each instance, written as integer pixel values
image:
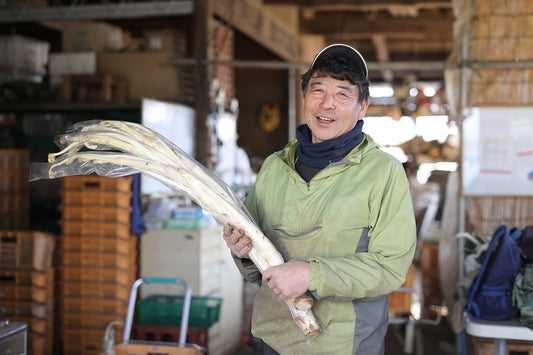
(339, 211)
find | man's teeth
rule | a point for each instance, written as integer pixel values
(325, 119)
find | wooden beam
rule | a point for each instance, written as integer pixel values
(203, 17)
(257, 23)
(362, 5)
(382, 54)
(342, 23)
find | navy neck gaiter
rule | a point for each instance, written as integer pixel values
(320, 155)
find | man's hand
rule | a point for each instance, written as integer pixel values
(239, 244)
(288, 280)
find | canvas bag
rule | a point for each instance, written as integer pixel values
(490, 294)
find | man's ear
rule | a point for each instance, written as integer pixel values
(364, 107)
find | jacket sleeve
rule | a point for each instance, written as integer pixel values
(383, 267)
(246, 267)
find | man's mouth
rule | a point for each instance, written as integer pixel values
(325, 119)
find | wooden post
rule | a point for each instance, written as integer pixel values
(203, 14)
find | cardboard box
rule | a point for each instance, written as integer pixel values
(149, 74)
(91, 36)
(165, 40)
(24, 54)
(72, 63)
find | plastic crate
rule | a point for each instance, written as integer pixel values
(27, 277)
(166, 310)
(14, 201)
(96, 213)
(97, 243)
(87, 228)
(98, 198)
(89, 258)
(26, 250)
(35, 324)
(93, 304)
(86, 319)
(97, 274)
(14, 159)
(93, 289)
(96, 183)
(13, 180)
(35, 309)
(83, 340)
(26, 292)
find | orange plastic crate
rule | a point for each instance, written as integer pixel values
(92, 182)
(93, 304)
(14, 201)
(27, 277)
(96, 213)
(86, 228)
(34, 309)
(94, 289)
(40, 344)
(99, 198)
(38, 325)
(88, 319)
(26, 250)
(14, 159)
(14, 180)
(83, 340)
(97, 274)
(97, 243)
(89, 258)
(26, 292)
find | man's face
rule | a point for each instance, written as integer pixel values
(331, 107)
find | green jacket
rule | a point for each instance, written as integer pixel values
(354, 223)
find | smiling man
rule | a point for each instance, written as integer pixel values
(339, 211)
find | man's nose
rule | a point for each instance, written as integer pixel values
(328, 102)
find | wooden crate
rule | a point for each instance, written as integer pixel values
(486, 347)
(25, 292)
(14, 159)
(92, 228)
(88, 319)
(31, 308)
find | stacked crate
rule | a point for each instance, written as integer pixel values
(97, 259)
(14, 189)
(27, 285)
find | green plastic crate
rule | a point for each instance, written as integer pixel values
(166, 310)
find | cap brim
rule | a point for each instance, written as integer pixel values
(345, 51)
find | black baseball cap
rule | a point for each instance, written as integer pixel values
(350, 54)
